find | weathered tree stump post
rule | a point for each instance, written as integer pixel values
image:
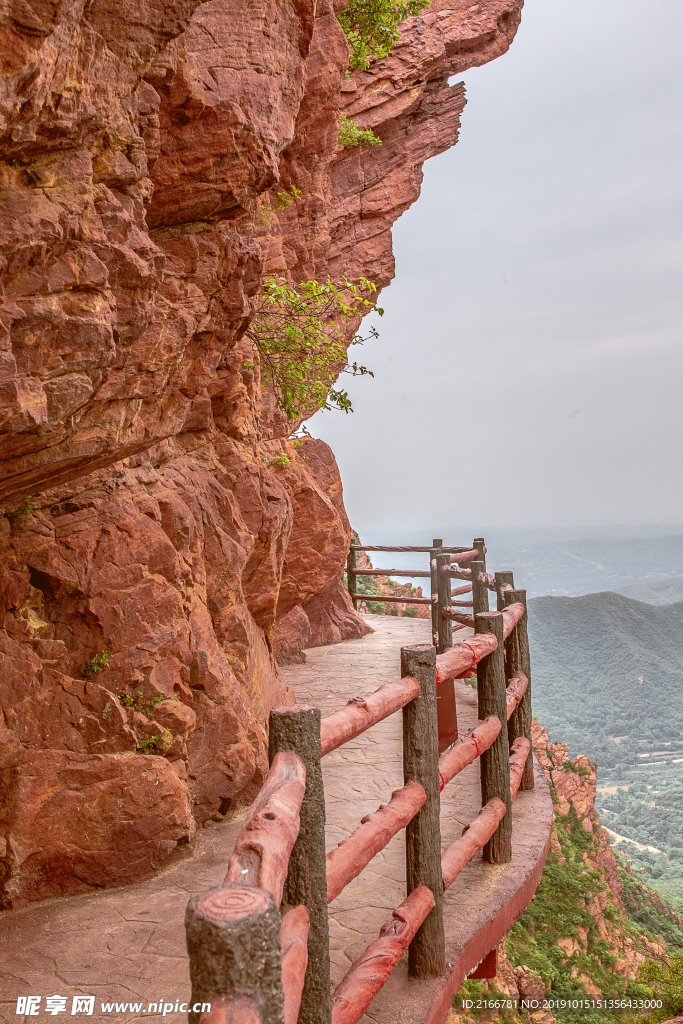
(495, 762)
(447, 715)
(297, 727)
(518, 660)
(443, 600)
(427, 951)
(351, 576)
(503, 579)
(437, 544)
(233, 942)
(480, 595)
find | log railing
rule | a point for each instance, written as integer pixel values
(259, 944)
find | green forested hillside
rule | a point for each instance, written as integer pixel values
(608, 680)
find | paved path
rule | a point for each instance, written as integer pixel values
(127, 945)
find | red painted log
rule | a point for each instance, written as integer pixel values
(456, 591)
(393, 599)
(465, 556)
(362, 712)
(487, 580)
(371, 970)
(476, 835)
(516, 688)
(261, 854)
(462, 604)
(462, 657)
(511, 616)
(461, 617)
(371, 836)
(468, 748)
(518, 755)
(294, 944)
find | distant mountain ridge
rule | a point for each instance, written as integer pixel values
(667, 591)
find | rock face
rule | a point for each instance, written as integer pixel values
(153, 534)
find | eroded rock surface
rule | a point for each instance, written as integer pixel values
(153, 533)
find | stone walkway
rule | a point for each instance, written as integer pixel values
(127, 945)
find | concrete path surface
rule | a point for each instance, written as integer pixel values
(128, 945)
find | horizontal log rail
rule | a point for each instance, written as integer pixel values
(463, 657)
(363, 712)
(467, 749)
(476, 835)
(393, 599)
(466, 556)
(370, 971)
(516, 688)
(384, 547)
(511, 616)
(462, 604)
(261, 854)
(462, 617)
(456, 591)
(294, 945)
(390, 572)
(519, 752)
(372, 835)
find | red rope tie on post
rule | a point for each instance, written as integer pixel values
(475, 661)
(443, 783)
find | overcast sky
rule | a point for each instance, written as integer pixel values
(530, 365)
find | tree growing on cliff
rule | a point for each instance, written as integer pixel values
(371, 27)
(300, 340)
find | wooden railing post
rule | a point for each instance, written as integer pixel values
(495, 762)
(480, 595)
(437, 544)
(518, 660)
(233, 942)
(351, 575)
(297, 727)
(443, 600)
(503, 579)
(427, 951)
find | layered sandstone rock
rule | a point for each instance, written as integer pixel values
(149, 514)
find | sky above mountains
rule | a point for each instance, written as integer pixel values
(529, 365)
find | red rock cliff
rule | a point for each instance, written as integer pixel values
(143, 513)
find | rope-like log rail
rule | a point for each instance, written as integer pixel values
(371, 836)
(467, 749)
(516, 688)
(261, 854)
(294, 944)
(362, 712)
(370, 971)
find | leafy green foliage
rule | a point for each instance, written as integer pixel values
(299, 337)
(283, 198)
(280, 461)
(138, 703)
(351, 135)
(665, 980)
(371, 27)
(96, 664)
(155, 744)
